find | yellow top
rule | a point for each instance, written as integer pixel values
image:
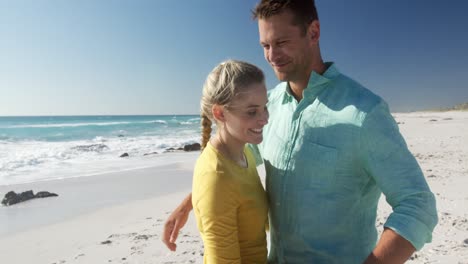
(231, 209)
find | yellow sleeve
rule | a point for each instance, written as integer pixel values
(217, 208)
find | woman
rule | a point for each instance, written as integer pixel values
(229, 201)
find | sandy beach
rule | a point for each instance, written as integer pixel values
(118, 217)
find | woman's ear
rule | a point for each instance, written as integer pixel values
(218, 112)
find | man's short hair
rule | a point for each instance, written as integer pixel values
(304, 11)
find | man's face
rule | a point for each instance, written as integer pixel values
(286, 47)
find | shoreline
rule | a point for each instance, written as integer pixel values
(85, 194)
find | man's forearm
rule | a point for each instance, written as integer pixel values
(186, 204)
(391, 248)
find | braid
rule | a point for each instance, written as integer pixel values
(206, 131)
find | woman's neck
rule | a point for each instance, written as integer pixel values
(230, 149)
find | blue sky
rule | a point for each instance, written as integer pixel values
(103, 57)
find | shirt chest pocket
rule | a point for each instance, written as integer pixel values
(316, 166)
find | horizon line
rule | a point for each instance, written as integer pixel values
(74, 115)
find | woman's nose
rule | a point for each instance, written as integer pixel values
(264, 118)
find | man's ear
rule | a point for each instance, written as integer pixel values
(218, 112)
(313, 30)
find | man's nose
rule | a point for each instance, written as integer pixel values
(273, 54)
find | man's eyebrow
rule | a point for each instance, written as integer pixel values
(278, 39)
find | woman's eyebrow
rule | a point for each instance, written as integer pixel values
(256, 105)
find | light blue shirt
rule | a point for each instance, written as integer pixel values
(327, 159)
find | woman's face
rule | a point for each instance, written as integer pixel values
(247, 114)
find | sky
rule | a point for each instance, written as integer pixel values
(142, 57)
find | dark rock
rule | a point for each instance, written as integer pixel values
(124, 155)
(106, 242)
(27, 195)
(120, 136)
(14, 198)
(10, 198)
(152, 153)
(45, 194)
(192, 147)
(433, 120)
(173, 149)
(465, 241)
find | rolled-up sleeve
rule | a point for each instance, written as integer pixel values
(388, 161)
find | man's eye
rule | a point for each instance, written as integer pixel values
(252, 113)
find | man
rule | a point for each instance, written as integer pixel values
(331, 148)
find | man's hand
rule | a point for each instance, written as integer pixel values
(175, 222)
(391, 248)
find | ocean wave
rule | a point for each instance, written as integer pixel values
(157, 122)
(4, 138)
(69, 125)
(31, 158)
(187, 123)
(84, 124)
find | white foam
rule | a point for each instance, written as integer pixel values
(29, 161)
(84, 124)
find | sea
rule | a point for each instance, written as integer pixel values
(39, 148)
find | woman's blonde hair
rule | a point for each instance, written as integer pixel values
(222, 85)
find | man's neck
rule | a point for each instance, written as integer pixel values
(297, 89)
(298, 86)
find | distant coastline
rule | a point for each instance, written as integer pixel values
(458, 107)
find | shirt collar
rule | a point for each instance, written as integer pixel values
(316, 82)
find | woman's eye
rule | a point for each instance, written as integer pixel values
(252, 113)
